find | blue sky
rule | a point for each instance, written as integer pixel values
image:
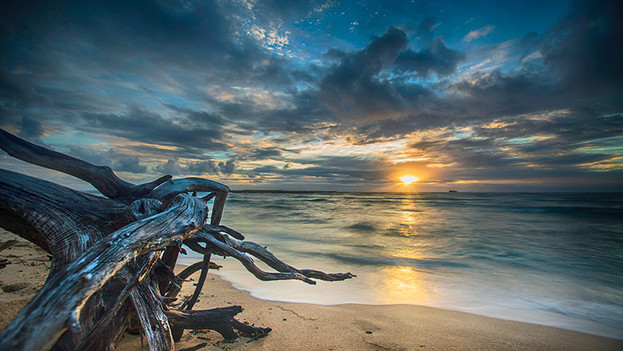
(322, 95)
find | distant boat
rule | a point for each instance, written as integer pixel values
(452, 191)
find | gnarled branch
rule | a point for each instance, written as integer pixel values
(220, 320)
(153, 319)
(105, 249)
(102, 178)
(57, 305)
(266, 256)
(220, 248)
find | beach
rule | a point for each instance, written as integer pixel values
(299, 326)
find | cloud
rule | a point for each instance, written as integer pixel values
(425, 28)
(266, 153)
(128, 164)
(162, 47)
(335, 170)
(583, 49)
(535, 145)
(30, 129)
(139, 124)
(190, 82)
(583, 69)
(303, 114)
(351, 90)
(199, 118)
(354, 88)
(478, 33)
(117, 160)
(437, 58)
(176, 167)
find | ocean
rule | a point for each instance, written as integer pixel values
(547, 258)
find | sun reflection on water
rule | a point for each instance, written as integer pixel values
(409, 218)
(403, 285)
(406, 284)
(416, 251)
(408, 225)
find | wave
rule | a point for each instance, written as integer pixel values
(381, 261)
(557, 250)
(364, 227)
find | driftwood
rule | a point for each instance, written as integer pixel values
(112, 257)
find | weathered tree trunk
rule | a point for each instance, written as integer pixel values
(105, 255)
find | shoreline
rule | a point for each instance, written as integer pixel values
(324, 294)
(304, 326)
(300, 326)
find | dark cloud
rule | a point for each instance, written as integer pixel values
(542, 167)
(585, 48)
(266, 153)
(351, 88)
(302, 116)
(155, 43)
(227, 167)
(580, 53)
(18, 94)
(335, 170)
(425, 28)
(199, 118)
(175, 167)
(111, 28)
(469, 153)
(139, 124)
(170, 167)
(307, 112)
(498, 94)
(128, 164)
(117, 160)
(545, 147)
(250, 153)
(583, 57)
(354, 88)
(30, 129)
(436, 59)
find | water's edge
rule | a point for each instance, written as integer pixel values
(187, 261)
(550, 259)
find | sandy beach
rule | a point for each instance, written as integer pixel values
(314, 327)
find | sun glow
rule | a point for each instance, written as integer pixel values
(408, 179)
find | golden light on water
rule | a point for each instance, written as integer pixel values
(409, 179)
(404, 285)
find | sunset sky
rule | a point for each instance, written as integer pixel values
(322, 95)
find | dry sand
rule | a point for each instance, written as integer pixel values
(312, 327)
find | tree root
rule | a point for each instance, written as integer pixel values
(105, 267)
(220, 243)
(220, 320)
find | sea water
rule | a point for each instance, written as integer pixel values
(547, 258)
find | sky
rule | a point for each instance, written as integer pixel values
(321, 95)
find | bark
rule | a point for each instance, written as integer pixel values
(153, 320)
(112, 324)
(57, 305)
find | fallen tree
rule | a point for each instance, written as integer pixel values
(113, 256)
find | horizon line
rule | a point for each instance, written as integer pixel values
(414, 192)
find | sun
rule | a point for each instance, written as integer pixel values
(408, 179)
